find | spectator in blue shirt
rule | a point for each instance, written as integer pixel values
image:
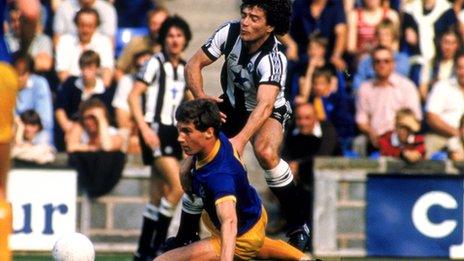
(387, 36)
(324, 16)
(34, 93)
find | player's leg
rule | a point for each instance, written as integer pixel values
(150, 218)
(200, 250)
(8, 89)
(266, 145)
(280, 250)
(172, 192)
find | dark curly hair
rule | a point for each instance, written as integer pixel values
(203, 113)
(277, 13)
(178, 22)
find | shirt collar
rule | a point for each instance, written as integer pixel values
(391, 81)
(317, 130)
(98, 89)
(29, 82)
(210, 157)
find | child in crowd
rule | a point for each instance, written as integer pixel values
(403, 142)
(32, 143)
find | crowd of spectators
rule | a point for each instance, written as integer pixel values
(377, 60)
(354, 65)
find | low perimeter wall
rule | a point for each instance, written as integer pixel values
(113, 221)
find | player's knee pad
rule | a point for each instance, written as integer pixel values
(166, 208)
(280, 176)
(192, 205)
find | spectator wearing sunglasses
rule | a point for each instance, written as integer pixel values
(380, 98)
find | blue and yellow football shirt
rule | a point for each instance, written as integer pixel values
(222, 176)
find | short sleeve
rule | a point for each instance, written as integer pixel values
(149, 71)
(215, 45)
(221, 185)
(340, 16)
(272, 69)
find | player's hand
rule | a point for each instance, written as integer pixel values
(238, 145)
(412, 155)
(150, 138)
(216, 100)
(174, 242)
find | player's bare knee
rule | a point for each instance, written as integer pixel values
(267, 157)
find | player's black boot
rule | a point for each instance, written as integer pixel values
(138, 257)
(149, 225)
(300, 238)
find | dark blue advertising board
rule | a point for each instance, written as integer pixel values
(415, 216)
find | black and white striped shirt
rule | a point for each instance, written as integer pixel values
(242, 73)
(166, 89)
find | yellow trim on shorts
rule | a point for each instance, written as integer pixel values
(225, 198)
(247, 245)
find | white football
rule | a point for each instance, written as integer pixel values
(73, 247)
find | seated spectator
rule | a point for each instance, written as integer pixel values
(92, 132)
(32, 143)
(34, 93)
(403, 142)
(444, 107)
(64, 22)
(441, 67)
(380, 98)
(310, 138)
(455, 146)
(40, 47)
(326, 17)
(155, 19)
(387, 35)
(70, 47)
(362, 24)
(77, 89)
(316, 60)
(419, 21)
(332, 103)
(95, 149)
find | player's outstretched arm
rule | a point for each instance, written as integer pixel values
(193, 75)
(228, 218)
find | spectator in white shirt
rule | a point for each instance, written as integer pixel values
(63, 20)
(70, 47)
(444, 108)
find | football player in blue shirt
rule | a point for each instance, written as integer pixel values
(219, 184)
